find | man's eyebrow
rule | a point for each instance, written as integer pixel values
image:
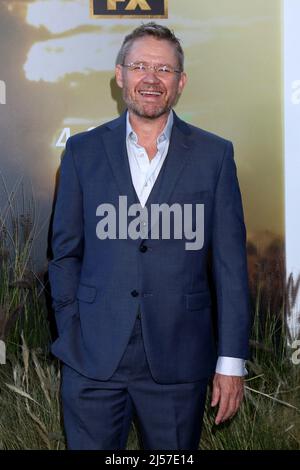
(141, 61)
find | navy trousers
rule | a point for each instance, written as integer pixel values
(98, 414)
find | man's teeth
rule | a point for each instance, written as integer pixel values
(157, 93)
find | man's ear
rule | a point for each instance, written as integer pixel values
(119, 75)
(182, 82)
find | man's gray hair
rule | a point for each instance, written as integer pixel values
(155, 30)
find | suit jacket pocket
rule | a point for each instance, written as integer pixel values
(198, 300)
(86, 293)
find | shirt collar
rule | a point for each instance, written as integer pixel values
(163, 136)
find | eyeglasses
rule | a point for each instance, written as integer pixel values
(160, 70)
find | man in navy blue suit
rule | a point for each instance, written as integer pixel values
(133, 307)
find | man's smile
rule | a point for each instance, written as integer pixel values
(150, 93)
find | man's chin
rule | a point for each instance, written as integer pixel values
(148, 112)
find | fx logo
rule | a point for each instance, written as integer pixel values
(2, 92)
(129, 8)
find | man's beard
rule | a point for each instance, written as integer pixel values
(140, 110)
(145, 111)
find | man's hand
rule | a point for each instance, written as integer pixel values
(228, 391)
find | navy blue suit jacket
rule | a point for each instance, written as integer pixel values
(97, 285)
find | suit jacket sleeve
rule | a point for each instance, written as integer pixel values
(230, 262)
(67, 241)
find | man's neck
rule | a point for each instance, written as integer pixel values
(148, 130)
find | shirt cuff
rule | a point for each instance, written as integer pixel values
(231, 366)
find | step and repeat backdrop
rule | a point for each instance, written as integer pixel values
(57, 79)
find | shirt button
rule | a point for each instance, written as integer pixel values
(143, 248)
(134, 293)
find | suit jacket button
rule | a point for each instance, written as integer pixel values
(134, 293)
(143, 248)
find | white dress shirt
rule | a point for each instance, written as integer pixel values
(144, 173)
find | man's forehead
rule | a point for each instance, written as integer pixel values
(152, 47)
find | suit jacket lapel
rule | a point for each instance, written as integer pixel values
(172, 168)
(115, 146)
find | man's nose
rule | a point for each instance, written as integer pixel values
(151, 76)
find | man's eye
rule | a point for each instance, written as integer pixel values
(139, 67)
(164, 69)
